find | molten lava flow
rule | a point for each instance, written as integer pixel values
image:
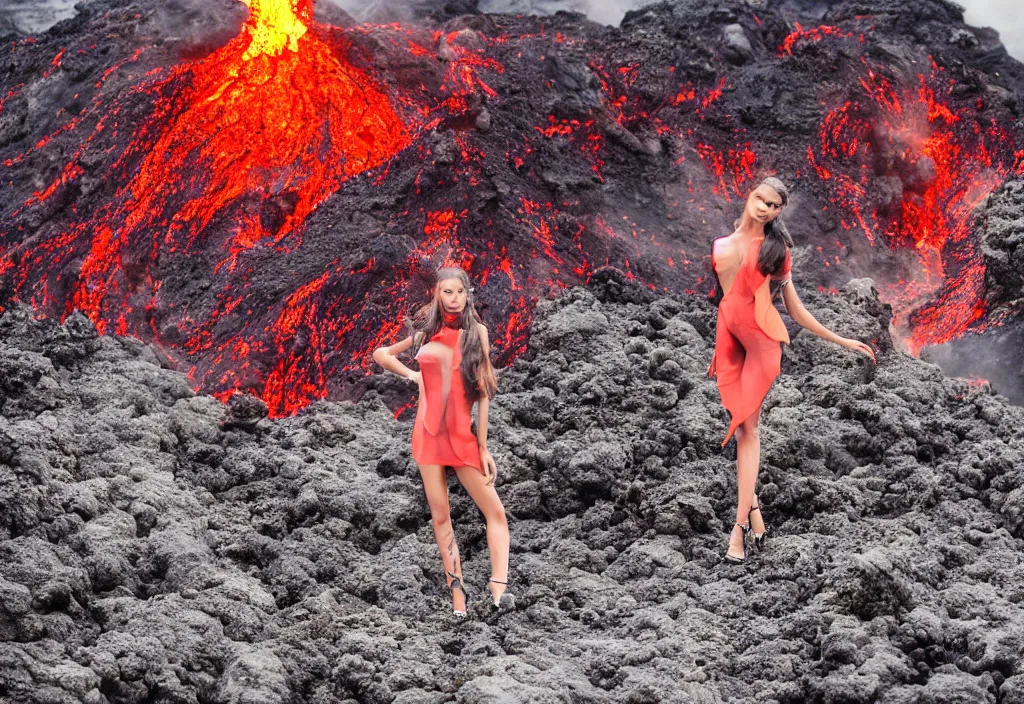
(241, 146)
(322, 329)
(266, 129)
(274, 26)
(199, 242)
(948, 160)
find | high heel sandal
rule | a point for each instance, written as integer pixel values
(757, 539)
(454, 584)
(732, 559)
(505, 602)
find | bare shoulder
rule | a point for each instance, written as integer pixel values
(724, 247)
(725, 243)
(481, 330)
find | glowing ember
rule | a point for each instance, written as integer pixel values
(814, 34)
(735, 165)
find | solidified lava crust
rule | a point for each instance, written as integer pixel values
(157, 545)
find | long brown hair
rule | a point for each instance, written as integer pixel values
(777, 239)
(477, 373)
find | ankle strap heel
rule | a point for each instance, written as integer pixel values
(732, 559)
(453, 584)
(757, 539)
(505, 602)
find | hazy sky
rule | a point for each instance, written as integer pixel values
(1005, 16)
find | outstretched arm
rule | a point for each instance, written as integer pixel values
(796, 310)
(483, 407)
(387, 357)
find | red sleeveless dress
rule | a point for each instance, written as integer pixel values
(747, 350)
(443, 431)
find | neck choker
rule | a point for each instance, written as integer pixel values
(451, 319)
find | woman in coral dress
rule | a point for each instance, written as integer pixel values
(450, 344)
(749, 337)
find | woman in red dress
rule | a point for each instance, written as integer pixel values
(450, 344)
(748, 339)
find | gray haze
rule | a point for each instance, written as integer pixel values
(1004, 16)
(603, 11)
(31, 17)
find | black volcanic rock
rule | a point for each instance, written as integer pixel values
(157, 545)
(996, 353)
(1002, 233)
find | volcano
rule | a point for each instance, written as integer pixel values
(266, 204)
(246, 198)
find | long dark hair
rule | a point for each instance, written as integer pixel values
(477, 372)
(777, 239)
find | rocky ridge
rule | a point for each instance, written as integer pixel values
(995, 353)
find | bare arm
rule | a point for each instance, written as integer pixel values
(481, 422)
(803, 318)
(387, 357)
(483, 407)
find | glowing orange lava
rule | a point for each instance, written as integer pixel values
(814, 34)
(955, 160)
(274, 26)
(196, 238)
(275, 115)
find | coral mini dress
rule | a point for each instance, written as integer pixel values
(748, 352)
(443, 431)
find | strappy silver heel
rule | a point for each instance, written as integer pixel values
(758, 540)
(505, 602)
(453, 584)
(732, 559)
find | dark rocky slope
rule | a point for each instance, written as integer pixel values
(539, 149)
(157, 546)
(996, 353)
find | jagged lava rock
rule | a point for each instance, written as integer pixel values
(157, 545)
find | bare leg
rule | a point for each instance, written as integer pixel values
(757, 526)
(748, 459)
(486, 499)
(436, 488)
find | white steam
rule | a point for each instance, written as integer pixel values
(604, 11)
(32, 17)
(1004, 16)
(608, 12)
